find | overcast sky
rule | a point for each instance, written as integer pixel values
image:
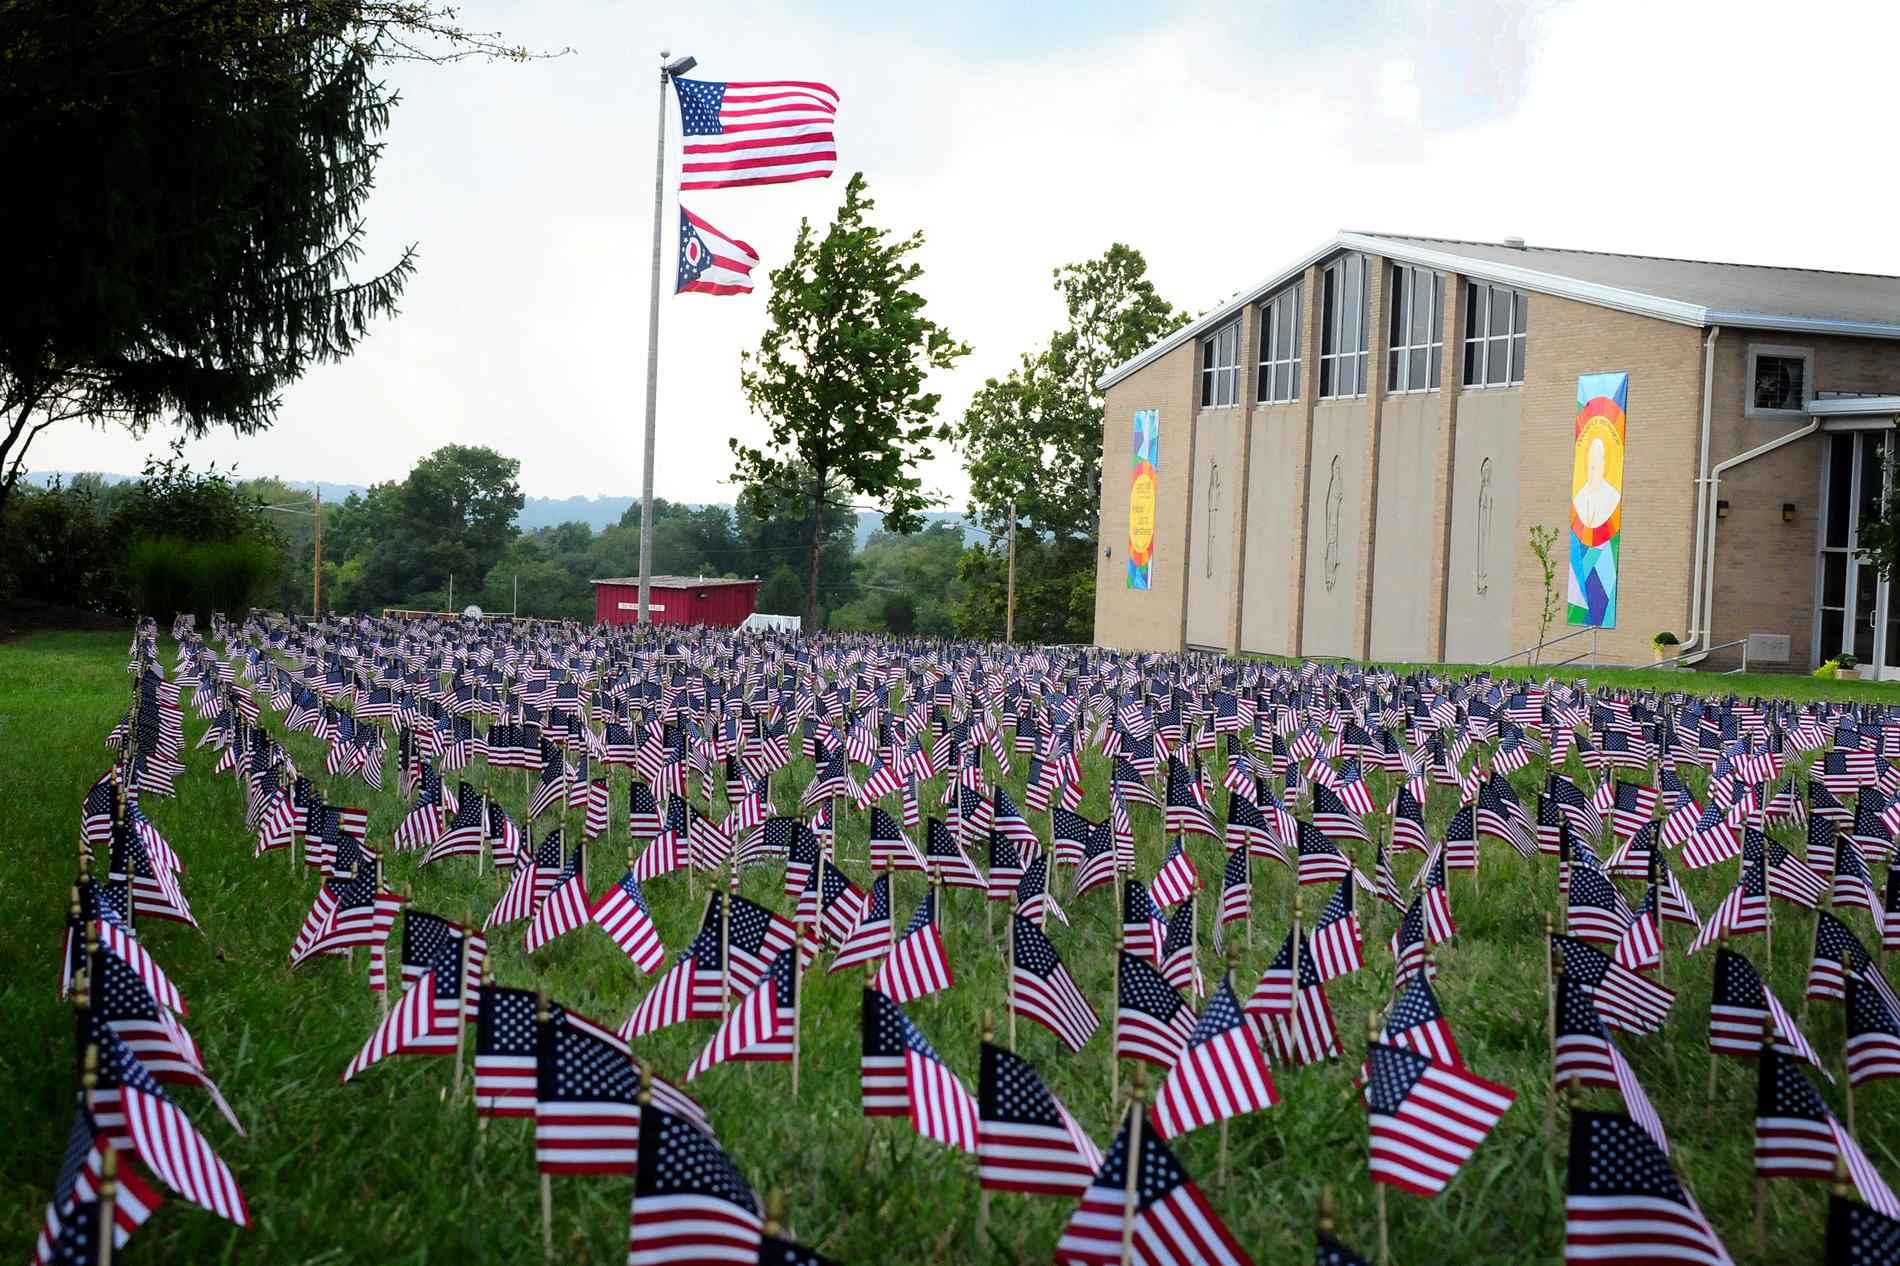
(1220, 139)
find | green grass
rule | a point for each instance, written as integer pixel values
(388, 1170)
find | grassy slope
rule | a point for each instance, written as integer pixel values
(385, 1170)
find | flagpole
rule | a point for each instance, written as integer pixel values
(1378, 1187)
(667, 71)
(543, 1017)
(986, 1035)
(461, 1011)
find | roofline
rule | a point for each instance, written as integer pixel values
(1850, 406)
(1515, 276)
(674, 582)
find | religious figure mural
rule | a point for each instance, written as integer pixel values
(1596, 499)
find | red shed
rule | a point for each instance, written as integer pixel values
(676, 600)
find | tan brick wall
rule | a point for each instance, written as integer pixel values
(1765, 568)
(1130, 619)
(1664, 362)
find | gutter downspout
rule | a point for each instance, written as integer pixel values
(1696, 631)
(1707, 585)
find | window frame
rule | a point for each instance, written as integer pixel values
(1755, 352)
(1480, 339)
(1403, 341)
(1336, 329)
(1272, 371)
(1215, 374)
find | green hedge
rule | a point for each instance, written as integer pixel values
(165, 575)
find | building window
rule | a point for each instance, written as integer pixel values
(1496, 319)
(1342, 343)
(1417, 345)
(1220, 367)
(1780, 381)
(1280, 347)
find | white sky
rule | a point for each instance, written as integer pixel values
(1220, 139)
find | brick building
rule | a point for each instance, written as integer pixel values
(1348, 458)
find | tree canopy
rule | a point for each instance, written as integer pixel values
(187, 182)
(839, 377)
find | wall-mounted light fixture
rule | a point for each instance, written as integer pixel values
(1787, 512)
(1721, 509)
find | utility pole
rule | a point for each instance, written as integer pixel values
(668, 70)
(316, 563)
(1009, 609)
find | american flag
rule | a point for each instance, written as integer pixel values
(1221, 1073)
(1741, 1005)
(890, 847)
(1296, 1023)
(586, 1106)
(690, 1203)
(1586, 1053)
(505, 1041)
(1337, 943)
(900, 1075)
(1417, 1024)
(1859, 1236)
(918, 966)
(1797, 1136)
(1172, 1220)
(1873, 1034)
(1152, 1022)
(130, 1105)
(1177, 879)
(946, 858)
(1426, 1118)
(1623, 1201)
(623, 915)
(71, 1227)
(1026, 1139)
(1236, 892)
(870, 940)
(1624, 999)
(1320, 861)
(1597, 910)
(1144, 929)
(1041, 989)
(1838, 953)
(565, 908)
(763, 1028)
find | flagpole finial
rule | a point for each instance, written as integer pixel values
(543, 1011)
(774, 1212)
(1325, 1210)
(1574, 1091)
(1138, 1083)
(988, 1030)
(645, 1095)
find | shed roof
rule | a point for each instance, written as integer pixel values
(675, 582)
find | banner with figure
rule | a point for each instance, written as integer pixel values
(1596, 499)
(1142, 491)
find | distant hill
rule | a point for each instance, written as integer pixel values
(543, 512)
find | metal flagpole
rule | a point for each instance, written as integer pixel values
(667, 71)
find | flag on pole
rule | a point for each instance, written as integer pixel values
(760, 133)
(710, 262)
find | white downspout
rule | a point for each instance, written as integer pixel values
(1695, 629)
(1707, 587)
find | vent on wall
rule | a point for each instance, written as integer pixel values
(1768, 648)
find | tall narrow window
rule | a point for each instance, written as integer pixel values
(1417, 342)
(1343, 333)
(1280, 347)
(1496, 321)
(1220, 367)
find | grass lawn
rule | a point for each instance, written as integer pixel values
(388, 1170)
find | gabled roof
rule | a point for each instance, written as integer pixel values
(1685, 291)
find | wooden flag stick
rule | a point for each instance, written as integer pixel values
(108, 1197)
(1712, 1055)
(1228, 979)
(1129, 1191)
(725, 950)
(1009, 979)
(798, 999)
(461, 1011)
(1378, 1188)
(1761, 1184)
(1115, 1020)
(986, 1034)
(1553, 976)
(543, 1017)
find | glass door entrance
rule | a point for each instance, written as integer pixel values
(1856, 613)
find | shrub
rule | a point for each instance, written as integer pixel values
(162, 576)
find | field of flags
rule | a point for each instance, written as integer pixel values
(1045, 954)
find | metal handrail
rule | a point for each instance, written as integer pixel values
(1707, 651)
(1528, 651)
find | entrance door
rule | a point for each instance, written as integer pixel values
(1857, 613)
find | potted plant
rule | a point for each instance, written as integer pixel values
(1826, 670)
(1844, 666)
(1664, 644)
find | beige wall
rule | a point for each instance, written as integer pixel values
(1665, 368)
(1479, 571)
(1131, 619)
(1405, 577)
(1212, 512)
(1269, 623)
(1336, 515)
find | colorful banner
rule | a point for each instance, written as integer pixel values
(1596, 499)
(1142, 490)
